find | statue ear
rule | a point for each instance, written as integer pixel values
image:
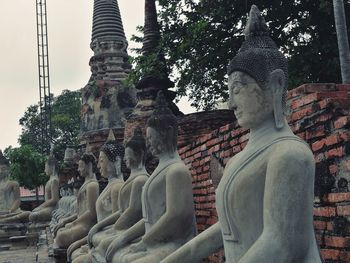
(277, 82)
(118, 165)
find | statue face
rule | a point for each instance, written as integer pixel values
(4, 171)
(131, 158)
(49, 169)
(251, 105)
(104, 165)
(154, 141)
(83, 168)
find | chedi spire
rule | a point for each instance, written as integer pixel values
(107, 22)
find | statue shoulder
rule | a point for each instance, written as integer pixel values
(13, 183)
(141, 179)
(92, 185)
(179, 170)
(291, 155)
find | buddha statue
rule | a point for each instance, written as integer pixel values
(265, 197)
(109, 164)
(167, 200)
(130, 207)
(86, 204)
(9, 192)
(42, 213)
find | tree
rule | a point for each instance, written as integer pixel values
(65, 121)
(27, 166)
(343, 41)
(200, 37)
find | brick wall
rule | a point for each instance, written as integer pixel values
(319, 115)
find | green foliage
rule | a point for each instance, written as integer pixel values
(149, 65)
(27, 166)
(65, 122)
(200, 37)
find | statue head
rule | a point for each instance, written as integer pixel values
(51, 163)
(4, 166)
(258, 76)
(87, 163)
(135, 150)
(162, 128)
(110, 159)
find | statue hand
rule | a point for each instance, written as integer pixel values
(116, 244)
(138, 247)
(57, 227)
(92, 232)
(70, 250)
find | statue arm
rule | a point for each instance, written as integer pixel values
(200, 247)
(288, 204)
(133, 232)
(179, 208)
(109, 220)
(115, 197)
(74, 246)
(54, 195)
(134, 210)
(17, 197)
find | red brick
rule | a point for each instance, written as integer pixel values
(212, 221)
(304, 100)
(318, 145)
(338, 94)
(343, 210)
(330, 254)
(331, 140)
(203, 213)
(234, 142)
(345, 256)
(224, 128)
(338, 242)
(301, 113)
(333, 169)
(339, 197)
(341, 122)
(333, 153)
(320, 225)
(344, 136)
(324, 211)
(346, 165)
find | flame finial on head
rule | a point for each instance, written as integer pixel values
(256, 25)
(111, 137)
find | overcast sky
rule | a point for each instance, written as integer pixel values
(70, 25)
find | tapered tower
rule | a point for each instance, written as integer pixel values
(106, 101)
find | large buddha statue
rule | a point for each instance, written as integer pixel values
(130, 208)
(9, 192)
(86, 202)
(265, 198)
(109, 163)
(167, 200)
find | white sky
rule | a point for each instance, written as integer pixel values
(70, 25)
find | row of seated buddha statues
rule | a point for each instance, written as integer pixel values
(137, 229)
(67, 205)
(10, 196)
(264, 200)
